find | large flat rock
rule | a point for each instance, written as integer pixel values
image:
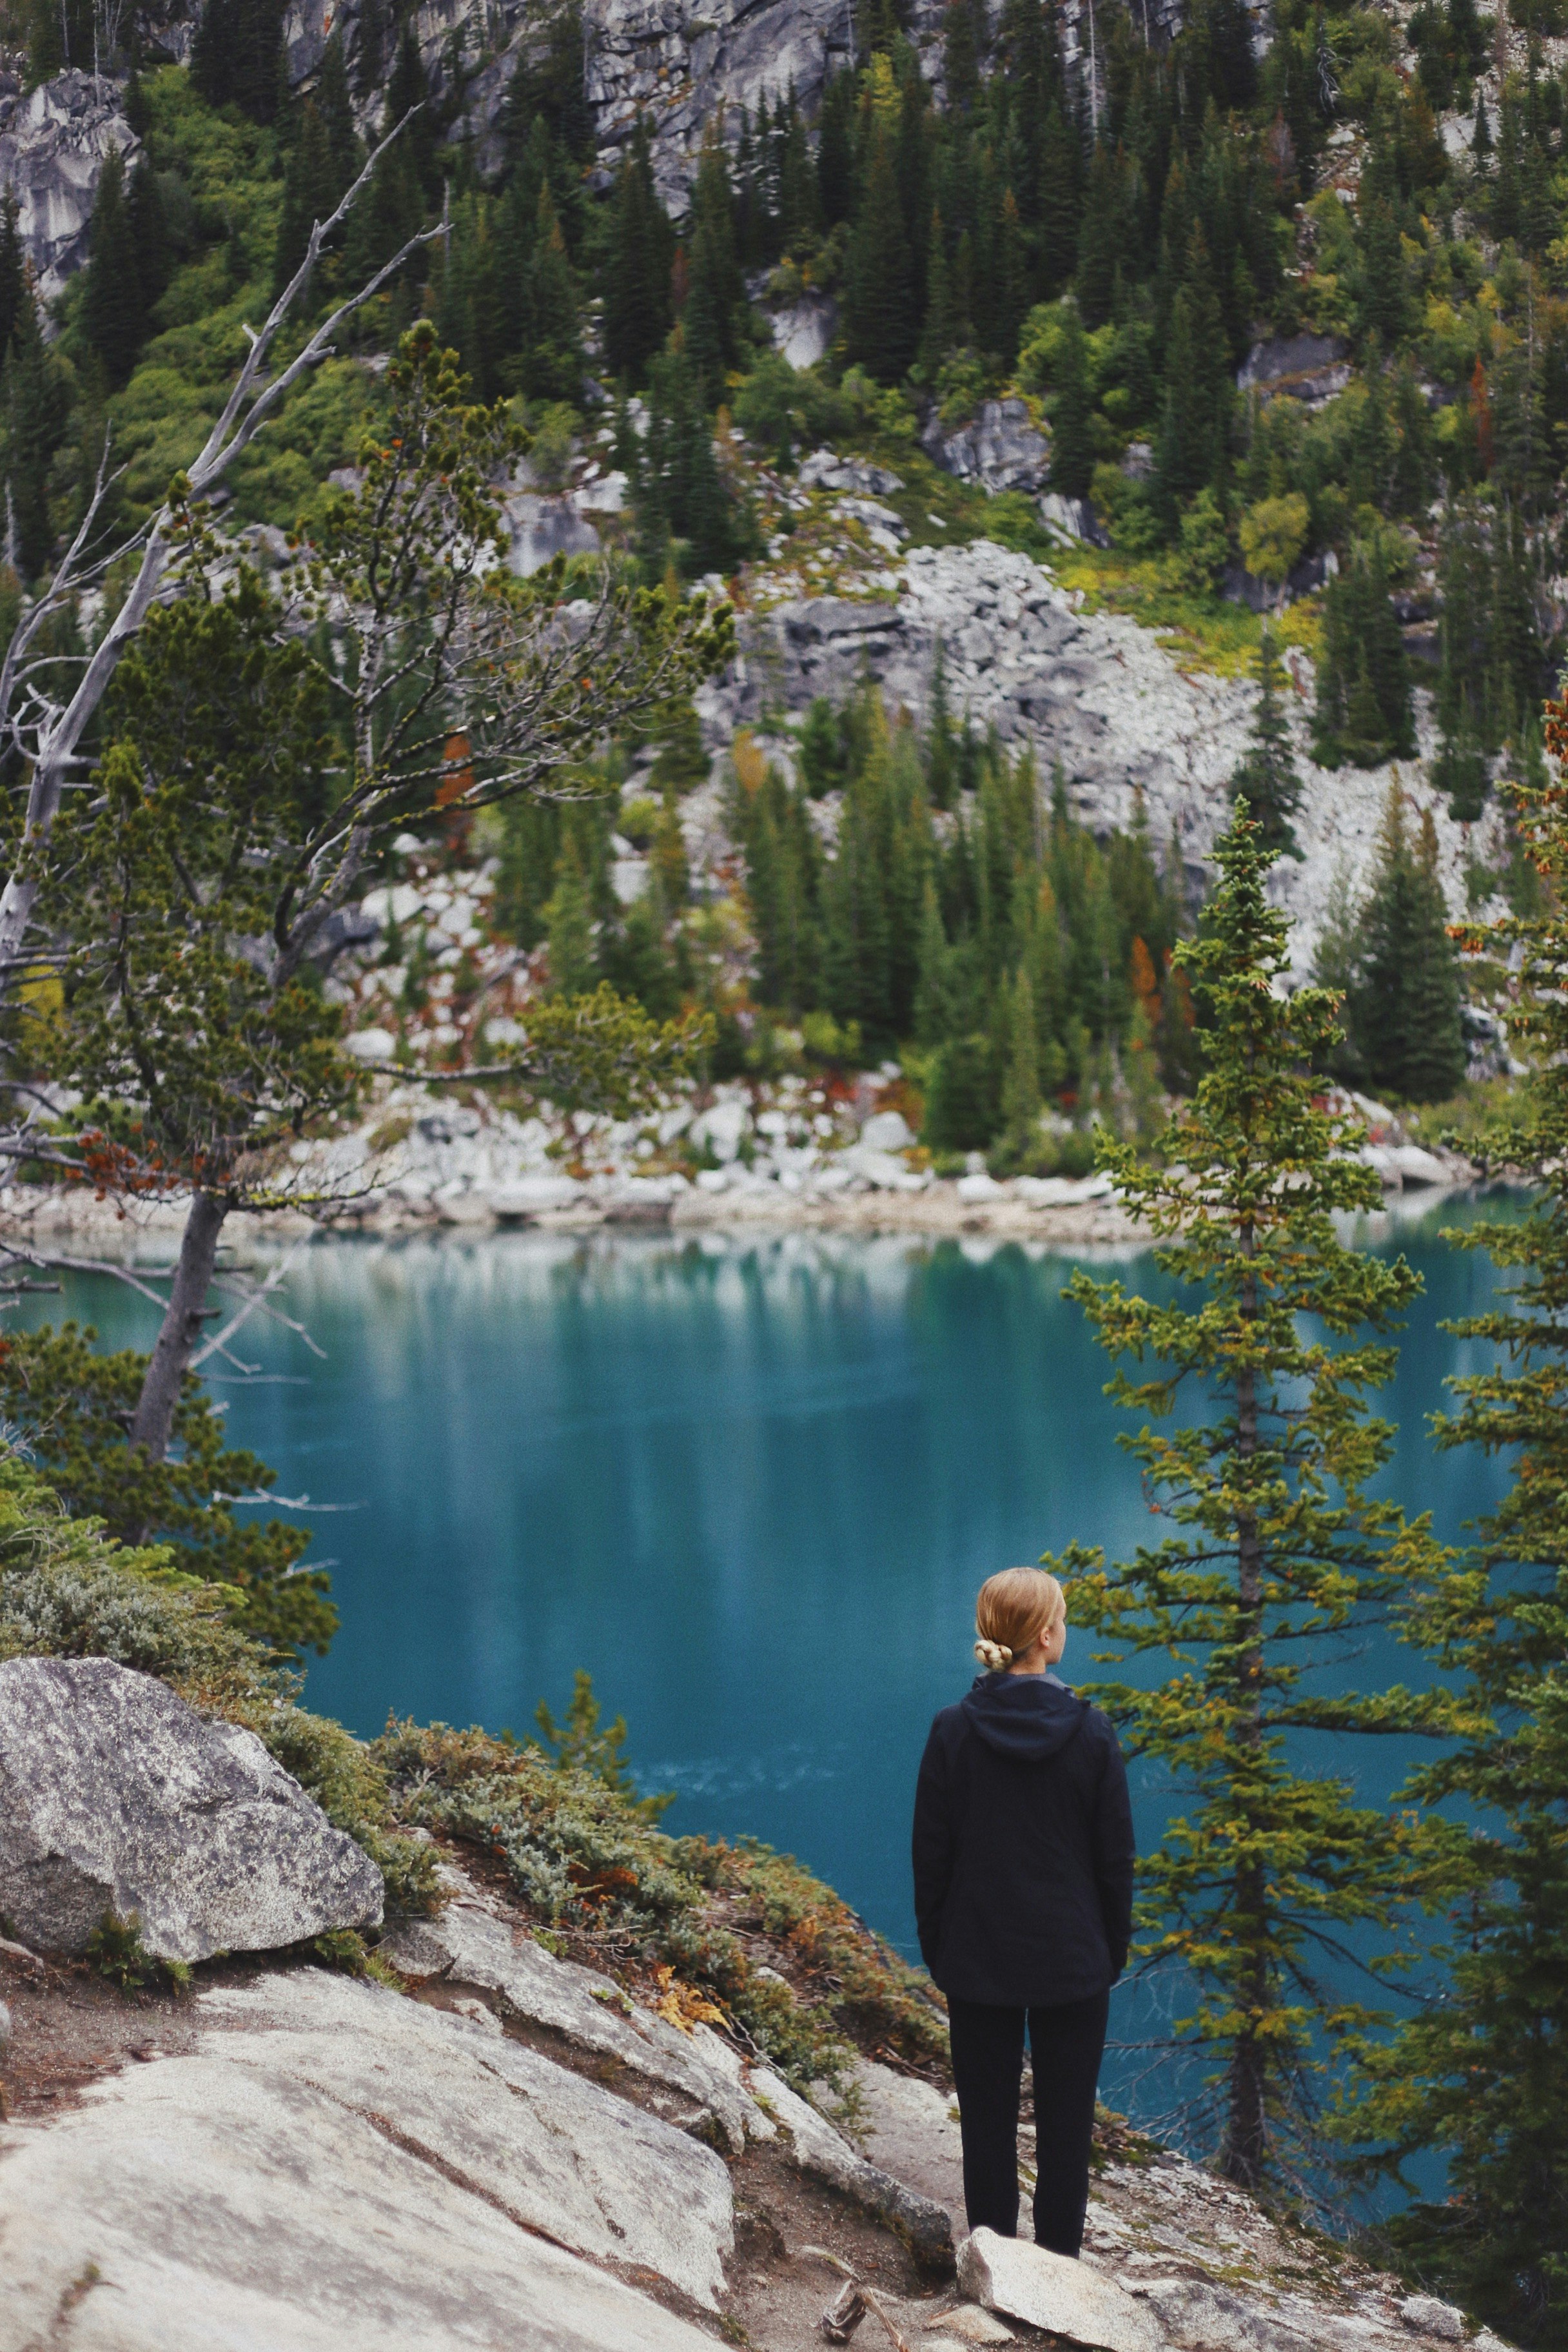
(535, 2141)
(468, 1945)
(116, 1796)
(220, 2204)
(1065, 2298)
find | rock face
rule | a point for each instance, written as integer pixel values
(1001, 447)
(555, 2152)
(116, 1796)
(320, 2182)
(1095, 694)
(468, 1945)
(54, 144)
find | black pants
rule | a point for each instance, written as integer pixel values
(1065, 2045)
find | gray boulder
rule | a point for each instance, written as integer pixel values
(117, 1796)
(1001, 448)
(54, 144)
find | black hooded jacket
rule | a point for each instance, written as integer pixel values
(1022, 1846)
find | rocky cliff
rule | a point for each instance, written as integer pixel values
(54, 144)
(504, 2135)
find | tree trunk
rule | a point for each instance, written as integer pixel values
(155, 1421)
(1245, 2121)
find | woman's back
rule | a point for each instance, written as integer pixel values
(1023, 1845)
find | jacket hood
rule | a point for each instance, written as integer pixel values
(1024, 1717)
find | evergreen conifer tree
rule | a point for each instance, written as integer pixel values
(1266, 780)
(310, 193)
(112, 315)
(1404, 1000)
(1267, 1865)
(1481, 2072)
(1059, 202)
(35, 413)
(639, 250)
(1072, 411)
(16, 284)
(335, 106)
(836, 151)
(553, 361)
(149, 232)
(883, 329)
(714, 283)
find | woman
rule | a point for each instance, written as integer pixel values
(1023, 1854)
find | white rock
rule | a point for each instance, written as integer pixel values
(981, 1187)
(722, 1126)
(887, 1130)
(881, 1168)
(1049, 2291)
(467, 1945)
(528, 1195)
(52, 154)
(222, 2200)
(116, 1796)
(1428, 2317)
(559, 2153)
(372, 1044)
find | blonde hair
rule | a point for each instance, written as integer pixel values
(1012, 1609)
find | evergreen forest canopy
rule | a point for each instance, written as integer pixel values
(1112, 253)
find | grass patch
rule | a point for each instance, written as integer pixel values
(790, 1968)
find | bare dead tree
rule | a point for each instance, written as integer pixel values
(45, 727)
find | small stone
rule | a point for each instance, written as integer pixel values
(1425, 2315)
(972, 2324)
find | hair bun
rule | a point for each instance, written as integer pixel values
(993, 1655)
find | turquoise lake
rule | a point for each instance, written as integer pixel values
(752, 1484)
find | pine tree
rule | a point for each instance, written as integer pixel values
(112, 315)
(1404, 1000)
(15, 285)
(1190, 449)
(148, 228)
(639, 252)
(1481, 2072)
(1072, 411)
(1104, 244)
(569, 920)
(1020, 1085)
(714, 283)
(35, 409)
(883, 329)
(335, 106)
(309, 193)
(836, 151)
(1266, 780)
(1267, 1865)
(553, 361)
(1059, 202)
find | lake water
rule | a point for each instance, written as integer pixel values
(752, 1484)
